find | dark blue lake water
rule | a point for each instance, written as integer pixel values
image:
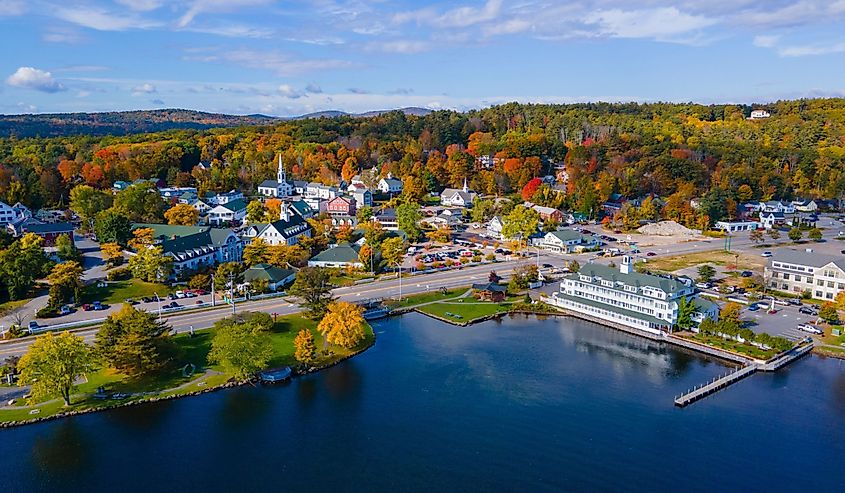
(517, 405)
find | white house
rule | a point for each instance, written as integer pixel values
(390, 185)
(223, 197)
(7, 214)
(458, 197)
(805, 205)
(641, 301)
(230, 212)
(566, 241)
(278, 188)
(494, 227)
(758, 114)
(771, 220)
(287, 230)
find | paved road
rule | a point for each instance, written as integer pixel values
(381, 289)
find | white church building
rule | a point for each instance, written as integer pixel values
(279, 188)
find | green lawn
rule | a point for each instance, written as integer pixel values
(193, 350)
(117, 291)
(435, 295)
(734, 346)
(468, 309)
(9, 306)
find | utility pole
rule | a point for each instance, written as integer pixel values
(159, 307)
(212, 290)
(400, 281)
(232, 292)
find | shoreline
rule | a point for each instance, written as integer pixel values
(226, 385)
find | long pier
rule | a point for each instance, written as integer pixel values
(720, 383)
(714, 385)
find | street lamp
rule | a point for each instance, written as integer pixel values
(159, 306)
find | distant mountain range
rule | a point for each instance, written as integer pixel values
(131, 122)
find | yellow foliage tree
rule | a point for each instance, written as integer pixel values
(141, 237)
(343, 324)
(112, 252)
(305, 348)
(182, 215)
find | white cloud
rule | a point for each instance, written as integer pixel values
(661, 23)
(798, 51)
(36, 79)
(289, 92)
(141, 5)
(458, 17)
(233, 31)
(145, 88)
(398, 46)
(103, 20)
(215, 6)
(766, 41)
(313, 88)
(277, 62)
(12, 7)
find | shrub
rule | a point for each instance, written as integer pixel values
(46, 312)
(120, 274)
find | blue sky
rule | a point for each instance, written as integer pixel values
(289, 57)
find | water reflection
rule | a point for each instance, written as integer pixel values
(306, 392)
(61, 448)
(140, 417)
(246, 406)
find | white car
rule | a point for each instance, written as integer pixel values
(766, 254)
(180, 294)
(810, 328)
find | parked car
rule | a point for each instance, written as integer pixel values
(807, 311)
(180, 294)
(33, 325)
(190, 294)
(747, 273)
(65, 310)
(147, 299)
(651, 254)
(200, 292)
(703, 285)
(171, 296)
(753, 308)
(810, 328)
(98, 306)
(766, 254)
(172, 304)
(87, 307)
(130, 301)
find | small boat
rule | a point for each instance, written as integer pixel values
(275, 375)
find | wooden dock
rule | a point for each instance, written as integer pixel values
(714, 385)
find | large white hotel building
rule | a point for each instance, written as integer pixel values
(622, 296)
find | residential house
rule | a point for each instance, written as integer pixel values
(494, 227)
(229, 212)
(387, 218)
(390, 185)
(759, 114)
(276, 277)
(641, 301)
(49, 232)
(796, 271)
(772, 220)
(287, 230)
(174, 193)
(342, 255)
(362, 195)
(458, 197)
(805, 205)
(223, 198)
(301, 208)
(7, 214)
(299, 187)
(566, 241)
(342, 211)
(547, 213)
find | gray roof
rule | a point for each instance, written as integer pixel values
(269, 272)
(269, 184)
(632, 279)
(568, 235)
(812, 259)
(235, 205)
(343, 253)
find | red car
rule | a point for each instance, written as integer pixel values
(86, 307)
(200, 292)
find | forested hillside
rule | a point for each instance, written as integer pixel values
(119, 122)
(674, 151)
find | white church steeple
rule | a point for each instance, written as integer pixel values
(466, 188)
(281, 177)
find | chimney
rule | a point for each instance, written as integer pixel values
(625, 266)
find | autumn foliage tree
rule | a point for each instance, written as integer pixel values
(305, 348)
(530, 188)
(182, 215)
(343, 324)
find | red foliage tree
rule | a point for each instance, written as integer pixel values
(530, 188)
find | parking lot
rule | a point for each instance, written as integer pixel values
(784, 323)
